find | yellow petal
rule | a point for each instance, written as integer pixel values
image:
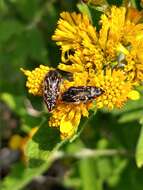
(134, 95)
(67, 128)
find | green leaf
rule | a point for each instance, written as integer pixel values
(31, 121)
(139, 150)
(43, 142)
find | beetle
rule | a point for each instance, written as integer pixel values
(51, 88)
(81, 94)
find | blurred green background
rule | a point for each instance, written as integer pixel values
(103, 157)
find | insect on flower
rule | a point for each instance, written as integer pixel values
(81, 94)
(51, 88)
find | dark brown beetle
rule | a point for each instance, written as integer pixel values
(51, 88)
(81, 94)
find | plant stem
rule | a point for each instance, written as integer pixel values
(89, 153)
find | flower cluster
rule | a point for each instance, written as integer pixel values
(110, 59)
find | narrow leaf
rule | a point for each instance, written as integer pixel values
(139, 150)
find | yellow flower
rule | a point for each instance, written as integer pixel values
(87, 60)
(81, 40)
(88, 52)
(35, 79)
(119, 25)
(132, 62)
(121, 28)
(72, 30)
(110, 59)
(116, 88)
(112, 30)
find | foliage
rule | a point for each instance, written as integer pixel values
(107, 151)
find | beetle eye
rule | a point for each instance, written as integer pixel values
(98, 91)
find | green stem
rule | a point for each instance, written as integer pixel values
(89, 153)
